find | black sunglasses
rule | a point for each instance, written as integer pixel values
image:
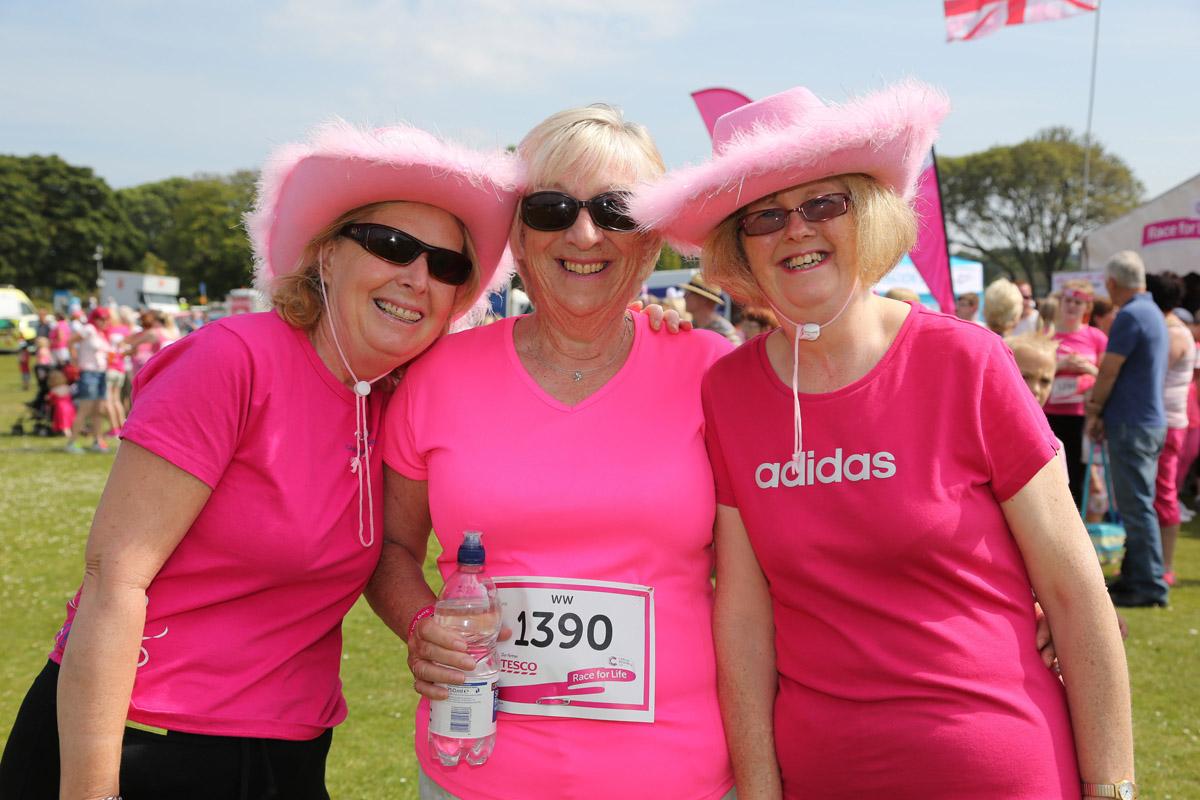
(818, 209)
(398, 247)
(557, 211)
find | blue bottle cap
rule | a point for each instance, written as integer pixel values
(471, 551)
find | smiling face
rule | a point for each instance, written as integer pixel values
(386, 314)
(806, 267)
(584, 272)
(1075, 304)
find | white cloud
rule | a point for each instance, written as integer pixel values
(487, 43)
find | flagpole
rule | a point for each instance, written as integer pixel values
(1087, 136)
(945, 237)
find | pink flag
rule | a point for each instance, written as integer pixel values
(970, 19)
(930, 256)
(715, 102)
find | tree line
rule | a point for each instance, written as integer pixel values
(1017, 208)
(54, 214)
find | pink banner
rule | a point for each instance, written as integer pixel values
(971, 19)
(1168, 229)
(712, 103)
(930, 256)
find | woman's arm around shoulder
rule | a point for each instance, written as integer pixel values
(133, 533)
(744, 635)
(1068, 582)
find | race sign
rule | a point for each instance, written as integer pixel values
(578, 648)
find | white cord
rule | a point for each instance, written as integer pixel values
(808, 332)
(360, 464)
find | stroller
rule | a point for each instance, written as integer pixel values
(38, 419)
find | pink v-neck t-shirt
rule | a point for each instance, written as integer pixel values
(617, 488)
(243, 631)
(905, 633)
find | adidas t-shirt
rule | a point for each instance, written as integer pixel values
(905, 635)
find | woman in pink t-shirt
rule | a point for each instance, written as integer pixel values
(875, 563)
(241, 519)
(1080, 347)
(142, 346)
(570, 506)
(1167, 291)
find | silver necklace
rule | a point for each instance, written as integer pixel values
(577, 374)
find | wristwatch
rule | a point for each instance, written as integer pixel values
(1122, 790)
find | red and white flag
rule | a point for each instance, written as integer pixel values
(970, 19)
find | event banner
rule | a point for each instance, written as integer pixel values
(1165, 232)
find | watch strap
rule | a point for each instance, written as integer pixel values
(1108, 789)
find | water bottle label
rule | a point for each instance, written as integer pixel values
(469, 712)
(579, 648)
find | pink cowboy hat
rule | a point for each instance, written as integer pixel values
(306, 186)
(792, 138)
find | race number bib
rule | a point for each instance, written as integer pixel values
(578, 649)
(1066, 390)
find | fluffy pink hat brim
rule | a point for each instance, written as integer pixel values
(886, 135)
(305, 186)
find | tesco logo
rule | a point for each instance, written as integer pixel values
(515, 667)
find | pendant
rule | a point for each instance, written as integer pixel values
(577, 376)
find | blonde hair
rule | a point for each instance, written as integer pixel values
(885, 229)
(296, 296)
(590, 141)
(1033, 343)
(1084, 287)
(902, 293)
(1002, 305)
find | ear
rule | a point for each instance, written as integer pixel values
(325, 257)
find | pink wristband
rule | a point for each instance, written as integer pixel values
(427, 611)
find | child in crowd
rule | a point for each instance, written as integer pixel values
(1037, 358)
(42, 355)
(23, 359)
(62, 405)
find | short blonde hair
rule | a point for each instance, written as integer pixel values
(591, 140)
(885, 229)
(1033, 343)
(296, 296)
(1002, 305)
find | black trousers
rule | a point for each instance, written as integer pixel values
(155, 766)
(1069, 428)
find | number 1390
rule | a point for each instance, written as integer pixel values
(569, 626)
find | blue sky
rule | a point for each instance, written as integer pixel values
(141, 91)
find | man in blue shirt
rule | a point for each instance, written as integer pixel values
(1126, 408)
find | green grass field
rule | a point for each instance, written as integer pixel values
(46, 502)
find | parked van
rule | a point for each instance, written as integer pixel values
(18, 319)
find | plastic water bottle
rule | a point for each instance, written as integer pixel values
(464, 725)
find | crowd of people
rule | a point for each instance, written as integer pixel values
(1123, 392)
(304, 457)
(83, 364)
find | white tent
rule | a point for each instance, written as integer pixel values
(1165, 231)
